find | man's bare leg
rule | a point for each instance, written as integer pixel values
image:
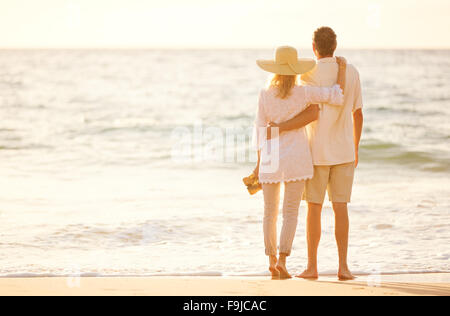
(314, 231)
(341, 233)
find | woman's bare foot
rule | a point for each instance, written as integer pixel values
(310, 274)
(344, 274)
(281, 266)
(284, 274)
(273, 268)
(275, 273)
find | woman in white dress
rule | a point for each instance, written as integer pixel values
(286, 158)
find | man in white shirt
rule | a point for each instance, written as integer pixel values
(334, 139)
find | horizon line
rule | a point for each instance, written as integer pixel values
(203, 48)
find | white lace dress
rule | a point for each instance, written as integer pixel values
(288, 158)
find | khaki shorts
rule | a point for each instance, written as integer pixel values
(337, 180)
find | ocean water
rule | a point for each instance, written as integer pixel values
(126, 163)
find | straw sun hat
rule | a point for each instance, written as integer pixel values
(287, 62)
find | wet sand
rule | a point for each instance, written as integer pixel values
(233, 286)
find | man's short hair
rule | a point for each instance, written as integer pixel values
(325, 40)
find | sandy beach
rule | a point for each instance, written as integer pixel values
(212, 286)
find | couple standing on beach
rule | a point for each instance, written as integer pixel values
(307, 135)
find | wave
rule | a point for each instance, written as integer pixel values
(85, 236)
(99, 275)
(204, 274)
(330, 273)
(379, 152)
(27, 147)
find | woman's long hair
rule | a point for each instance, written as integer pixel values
(283, 84)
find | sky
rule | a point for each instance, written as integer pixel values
(222, 23)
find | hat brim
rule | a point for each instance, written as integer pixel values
(302, 66)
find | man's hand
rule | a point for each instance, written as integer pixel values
(310, 114)
(358, 121)
(269, 130)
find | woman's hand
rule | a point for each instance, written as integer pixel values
(341, 60)
(256, 171)
(342, 63)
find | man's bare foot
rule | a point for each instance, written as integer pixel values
(345, 275)
(310, 274)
